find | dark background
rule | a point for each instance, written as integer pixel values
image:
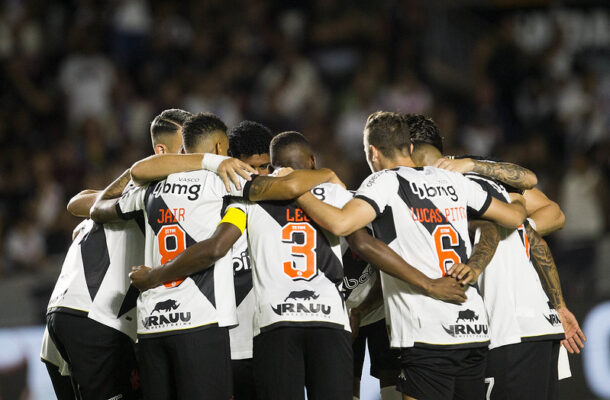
(523, 81)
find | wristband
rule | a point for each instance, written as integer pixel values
(210, 161)
(532, 223)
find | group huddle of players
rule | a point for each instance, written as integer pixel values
(201, 276)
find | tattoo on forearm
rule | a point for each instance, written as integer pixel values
(485, 249)
(511, 174)
(545, 266)
(116, 188)
(260, 186)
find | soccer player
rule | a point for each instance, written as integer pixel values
(249, 142)
(182, 325)
(525, 328)
(421, 214)
(291, 253)
(93, 283)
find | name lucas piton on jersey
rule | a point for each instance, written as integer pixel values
(466, 325)
(299, 308)
(165, 317)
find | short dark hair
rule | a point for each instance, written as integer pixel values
(284, 140)
(422, 129)
(198, 126)
(249, 138)
(388, 132)
(169, 121)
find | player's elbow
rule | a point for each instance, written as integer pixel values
(531, 181)
(138, 173)
(96, 214)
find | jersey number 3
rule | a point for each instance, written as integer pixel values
(302, 238)
(172, 241)
(447, 256)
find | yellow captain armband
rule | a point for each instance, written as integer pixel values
(236, 217)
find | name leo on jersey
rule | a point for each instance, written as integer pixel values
(190, 190)
(428, 192)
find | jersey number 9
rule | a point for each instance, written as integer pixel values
(172, 241)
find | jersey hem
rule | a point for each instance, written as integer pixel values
(543, 338)
(303, 324)
(68, 310)
(454, 346)
(176, 331)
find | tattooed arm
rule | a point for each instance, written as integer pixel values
(482, 252)
(511, 174)
(289, 186)
(104, 208)
(545, 266)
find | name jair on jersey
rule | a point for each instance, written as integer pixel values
(167, 216)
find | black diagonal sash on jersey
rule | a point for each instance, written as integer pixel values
(96, 260)
(353, 267)
(154, 208)
(326, 260)
(413, 200)
(242, 278)
(130, 300)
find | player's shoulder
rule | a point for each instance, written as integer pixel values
(385, 175)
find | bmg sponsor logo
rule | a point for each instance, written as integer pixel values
(428, 192)
(192, 191)
(299, 308)
(165, 317)
(468, 326)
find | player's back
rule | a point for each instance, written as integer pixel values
(516, 304)
(297, 269)
(179, 211)
(422, 215)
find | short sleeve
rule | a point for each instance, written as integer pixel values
(477, 199)
(332, 194)
(238, 204)
(131, 202)
(377, 189)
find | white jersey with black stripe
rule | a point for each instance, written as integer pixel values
(517, 307)
(179, 211)
(241, 335)
(94, 278)
(297, 270)
(422, 215)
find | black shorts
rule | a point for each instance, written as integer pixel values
(383, 358)
(287, 359)
(438, 374)
(101, 359)
(62, 385)
(192, 364)
(525, 371)
(243, 379)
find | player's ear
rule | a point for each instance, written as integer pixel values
(374, 153)
(311, 163)
(160, 149)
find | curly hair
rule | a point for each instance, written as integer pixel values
(422, 129)
(249, 138)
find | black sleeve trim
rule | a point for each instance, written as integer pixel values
(246, 191)
(484, 208)
(371, 202)
(120, 212)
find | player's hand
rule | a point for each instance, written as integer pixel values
(462, 273)
(230, 168)
(447, 289)
(355, 317)
(142, 278)
(461, 165)
(283, 171)
(574, 335)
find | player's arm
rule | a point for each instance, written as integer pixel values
(195, 258)
(158, 167)
(545, 213)
(509, 215)
(289, 186)
(482, 252)
(80, 205)
(549, 277)
(104, 209)
(354, 215)
(511, 174)
(377, 253)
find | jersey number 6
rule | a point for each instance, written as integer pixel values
(303, 239)
(446, 256)
(172, 241)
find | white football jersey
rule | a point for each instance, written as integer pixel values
(241, 335)
(180, 211)
(422, 215)
(297, 270)
(517, 307)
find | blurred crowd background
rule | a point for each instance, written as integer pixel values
(526, 81)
